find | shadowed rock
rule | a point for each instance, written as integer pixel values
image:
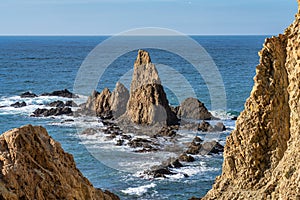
(192, 108)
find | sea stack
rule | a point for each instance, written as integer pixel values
(261, 156)
(148, 103)
(34, 166)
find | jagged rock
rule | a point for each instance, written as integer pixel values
(192, 108)
(148, 103)
(57, 103)
(52, 112)
(144, 72)
(205, 127)
(186, 158)
(98, 104)
(34, 166)
(261, 156)
(197, 146)
(28, 95)
(18, 104)
(71, 104)
(119, 99)
(172, 163)
(61, 93)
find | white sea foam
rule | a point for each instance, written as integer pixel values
(138, 191)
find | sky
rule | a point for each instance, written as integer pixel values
(109, 17)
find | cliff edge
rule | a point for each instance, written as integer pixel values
(34, 166)
(262, 154)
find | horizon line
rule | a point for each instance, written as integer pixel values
(109, 35)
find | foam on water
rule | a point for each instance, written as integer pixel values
(139, 191)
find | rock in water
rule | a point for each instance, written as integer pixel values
(34, 166)
(192, 108)
(144, 72)
(119, 100)
(148, 103)
(261, 157)
(99, 104)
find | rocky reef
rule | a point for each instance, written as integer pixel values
(261, 156)
(34, 166)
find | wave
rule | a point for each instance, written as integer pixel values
(138, 191)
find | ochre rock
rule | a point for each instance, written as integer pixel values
(99, 103)
(34, 166)
(261, 156)
(148, 103)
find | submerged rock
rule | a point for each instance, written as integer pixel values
(34, 166)
(261, 156)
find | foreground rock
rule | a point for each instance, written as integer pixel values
(148, 103)
(261, 157)
(34, 166)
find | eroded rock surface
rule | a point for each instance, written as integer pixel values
(148, 103)
(192, 108)
(34, 166)
(261, 157)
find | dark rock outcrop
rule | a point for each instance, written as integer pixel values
(261, 156)
(18, 104)
(192, 108)
(34, 166)
(61, 93)
(52, 112)
(28, 95)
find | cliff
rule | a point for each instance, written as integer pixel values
(34, 166)
(261, 156)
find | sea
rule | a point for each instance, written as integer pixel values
(42, 64)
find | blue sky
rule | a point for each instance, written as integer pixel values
(106, 17)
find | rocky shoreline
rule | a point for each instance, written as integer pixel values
(34, 166)
(142, 111)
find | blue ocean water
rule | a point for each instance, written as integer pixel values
(44, 64)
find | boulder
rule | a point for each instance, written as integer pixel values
(192, 108)
(18, 104)
(119, 99)
(28, 95)
(219, 127)
(34, 166)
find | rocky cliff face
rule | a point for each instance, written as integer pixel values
(261, 157)
(148, 103)
(34, 166)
